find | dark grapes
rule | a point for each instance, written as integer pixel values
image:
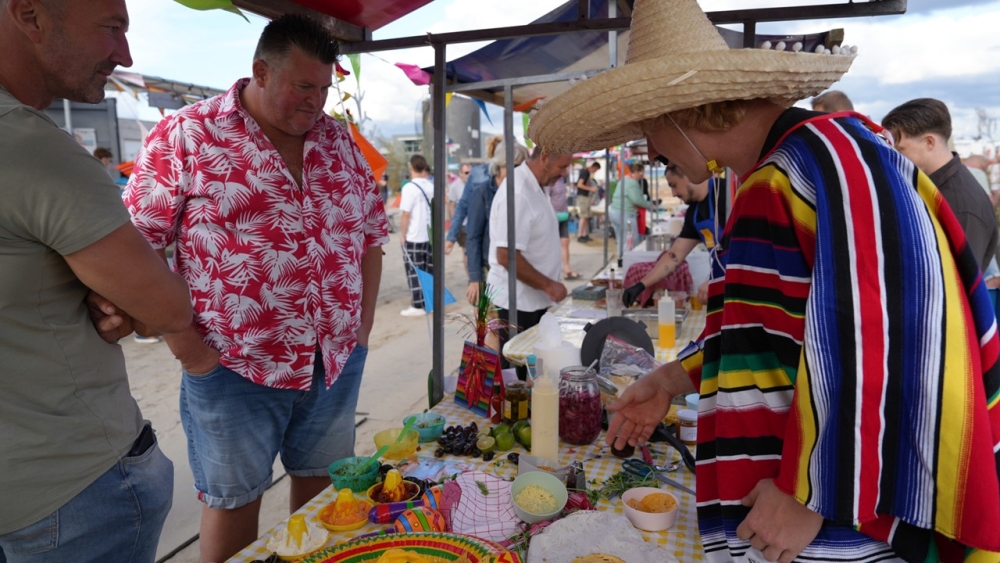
(513, 457)
(488, 456)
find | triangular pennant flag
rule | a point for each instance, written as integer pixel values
(525, 106)
(225, 5)
(427, 288)
(525, 121)
(415, 74)
(376, 161)
(447, 98)
(355, 59)
(482, 106)
(340, 70)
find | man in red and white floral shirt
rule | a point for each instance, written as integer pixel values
(278, 227)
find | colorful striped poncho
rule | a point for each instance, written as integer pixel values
(850, 353)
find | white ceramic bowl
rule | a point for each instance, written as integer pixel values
(546, 481)
(649, 521)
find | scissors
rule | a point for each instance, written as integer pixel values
(643, 469)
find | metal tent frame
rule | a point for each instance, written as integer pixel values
(358, 40)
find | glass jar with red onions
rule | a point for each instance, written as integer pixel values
(579, 406)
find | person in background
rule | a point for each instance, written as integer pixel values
(81, 475)
(536, 245)
(586, 195)
(456, 188)
(415, 204)
(383, 188)
(832, 101)
(476, 202)
(278, 227)
(921, 129)
(105, 155)
(623, 207)
(700, 226)
(848, 368)
(557, 196)
(980, 168)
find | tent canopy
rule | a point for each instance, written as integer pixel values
(349, 20)
(583, 53)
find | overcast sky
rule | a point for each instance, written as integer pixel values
(946, 49)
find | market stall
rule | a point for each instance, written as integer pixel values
(603, 473)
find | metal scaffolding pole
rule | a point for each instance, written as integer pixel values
(508, 139)
(440, 176)
(612, 63)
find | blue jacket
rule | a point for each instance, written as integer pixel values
(475, 204)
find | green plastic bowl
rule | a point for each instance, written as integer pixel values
(428, 425)
(546, 481)
(341, 479)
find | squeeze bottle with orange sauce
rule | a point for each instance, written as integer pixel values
(666, 320)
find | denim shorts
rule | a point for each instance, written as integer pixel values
(118, 517)
(235, 428)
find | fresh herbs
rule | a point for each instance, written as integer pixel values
(615, 485)
(483, 488)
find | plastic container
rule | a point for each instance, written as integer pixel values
(405, 447)
(691, 401)
(545, 481)
(687, 427)
(579, 406)
(649, 521)
(340, 477)
(668, 330)
(545, 416)
(428, 425)
(528, 463)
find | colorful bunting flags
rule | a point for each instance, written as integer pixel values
(415, 74)
(225, 5)
(482, 106)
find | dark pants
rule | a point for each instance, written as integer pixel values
(525, 320)
(420, 257)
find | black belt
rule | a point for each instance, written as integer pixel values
(145, 441)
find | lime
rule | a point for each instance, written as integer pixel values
(504, 440)
(486, 444)
(502, 428)
(516, 428)
(524, 436)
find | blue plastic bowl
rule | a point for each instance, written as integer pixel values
(428, 425)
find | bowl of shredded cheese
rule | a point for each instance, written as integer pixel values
(538, 496)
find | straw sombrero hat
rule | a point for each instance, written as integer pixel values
(676, 60)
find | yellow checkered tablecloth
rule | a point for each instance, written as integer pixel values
(572, 320)
(682, 541)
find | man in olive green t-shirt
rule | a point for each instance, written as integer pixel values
(81, 478)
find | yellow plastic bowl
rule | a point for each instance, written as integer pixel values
(407, 446)
(365, 507)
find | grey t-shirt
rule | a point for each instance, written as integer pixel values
(66, 413)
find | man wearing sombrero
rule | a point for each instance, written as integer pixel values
(848, 369)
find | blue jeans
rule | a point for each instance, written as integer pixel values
(235, 428)
(117, 518)
(621, 233)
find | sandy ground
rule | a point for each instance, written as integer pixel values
(395, 384)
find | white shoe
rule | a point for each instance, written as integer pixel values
(412, 312)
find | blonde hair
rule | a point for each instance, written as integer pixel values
(498, 156)
(491, 145)
(717, 116)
